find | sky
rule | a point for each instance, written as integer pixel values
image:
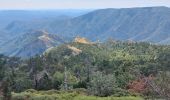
(79, 4)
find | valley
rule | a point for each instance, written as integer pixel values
(86, 54)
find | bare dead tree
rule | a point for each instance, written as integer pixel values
(65, 79)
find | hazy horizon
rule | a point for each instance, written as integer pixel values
(78, 4)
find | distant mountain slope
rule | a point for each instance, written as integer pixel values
(17, 36)
(150, 24)
(140, 24)
(30, 44)
(17, 22)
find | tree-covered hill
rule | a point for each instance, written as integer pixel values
(149, 24)
(113, 68)
(30, 44)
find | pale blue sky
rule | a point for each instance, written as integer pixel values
(79, 4)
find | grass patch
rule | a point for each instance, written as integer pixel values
(61, 95)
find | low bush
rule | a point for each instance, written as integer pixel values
(78, 94)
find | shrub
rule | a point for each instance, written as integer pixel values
(62, 95)
(102, 85)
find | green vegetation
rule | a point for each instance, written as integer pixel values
(108, 71)
(61, 95)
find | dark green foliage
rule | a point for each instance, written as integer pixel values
(6, 90)
(57, 80)
(2, 65)
(22, 83)
(102, 85)
(81, 84)
(45, 83)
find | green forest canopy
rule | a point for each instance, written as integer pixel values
(113, 68)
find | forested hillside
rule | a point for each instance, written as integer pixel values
(112, 68)
(30, 44)
(149, 24)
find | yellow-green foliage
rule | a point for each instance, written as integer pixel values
(1, 98)
(61, 95)
(107, 98)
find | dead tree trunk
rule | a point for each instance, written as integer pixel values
(65, 79)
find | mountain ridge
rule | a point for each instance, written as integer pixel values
(28, 45)
(148, 24)
(139, 24)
